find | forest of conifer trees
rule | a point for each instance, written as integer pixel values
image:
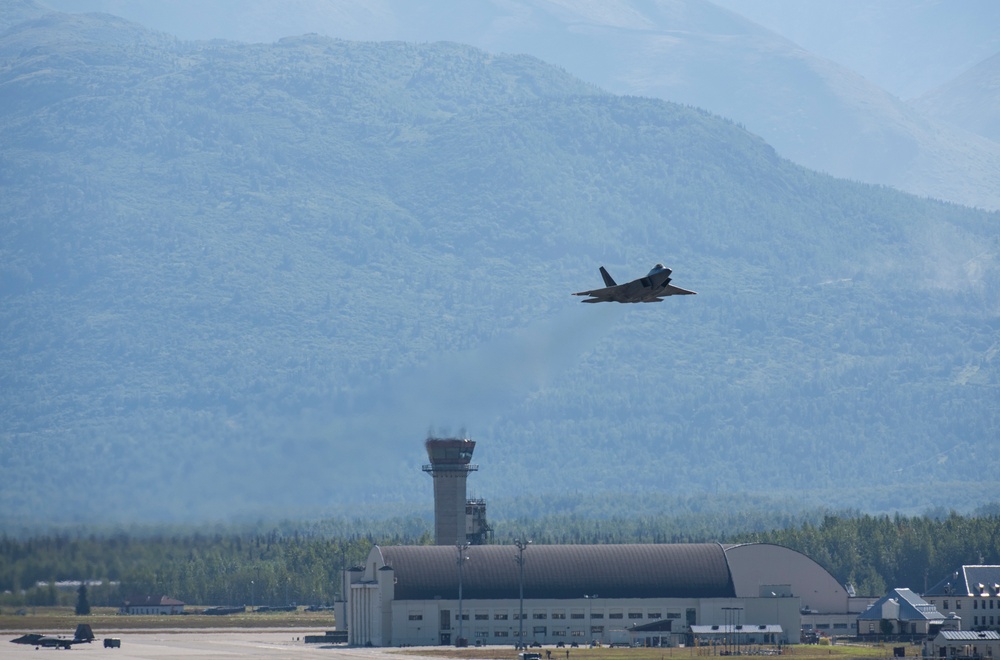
(873, 553)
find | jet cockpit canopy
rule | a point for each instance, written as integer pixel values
(658, 268)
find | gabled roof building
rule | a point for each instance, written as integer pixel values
(151, 605)
(963, 644)
(905, 611)
(972, 593)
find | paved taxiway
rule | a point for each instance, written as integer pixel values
(207, 644)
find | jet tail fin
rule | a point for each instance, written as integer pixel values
(608, 280)
(84, 633)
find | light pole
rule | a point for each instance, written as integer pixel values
(521, 545)
(777, 616)
(590, 614)
(251, 595)
(732, 625)
(461, 547)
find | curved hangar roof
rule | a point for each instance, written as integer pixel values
(688, 570)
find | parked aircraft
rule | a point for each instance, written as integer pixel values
(652, 288)
(83, 635)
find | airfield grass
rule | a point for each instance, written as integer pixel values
(796, 652)
(63, 620)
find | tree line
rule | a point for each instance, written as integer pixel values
(872, 552)
(205, 569)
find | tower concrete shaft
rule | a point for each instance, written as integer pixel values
(450, 465)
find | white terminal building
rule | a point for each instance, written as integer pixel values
(649, 594)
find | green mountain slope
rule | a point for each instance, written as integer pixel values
(810, 106)
(247, 279)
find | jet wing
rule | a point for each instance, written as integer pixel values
(671, 290)
(607, 294)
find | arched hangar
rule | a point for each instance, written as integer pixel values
(496, 594)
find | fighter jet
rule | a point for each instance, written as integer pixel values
(652, 288)
(83, 635)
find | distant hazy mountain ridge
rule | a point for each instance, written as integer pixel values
(971, 101)
(247, 279)
(813, 109)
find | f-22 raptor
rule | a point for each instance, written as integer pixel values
(84, 635)
(652, 288)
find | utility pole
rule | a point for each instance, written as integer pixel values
(521, 545)
(461, 547)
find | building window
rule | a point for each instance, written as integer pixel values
(416, 617)
(501, 617)
(635, 615)
(597, 615)
(539, 630)
(975, 604)
(654, 615)
(539, 615)
(576, 615)
(558, 633)
(615, 615)
(465, 617)
(597, 630)
(577, 633)
(840, 626)
(482, 617)
(673, 615)
(558, 615)
(958, 604)
(500, 633)
(482, 633)
(946, 606)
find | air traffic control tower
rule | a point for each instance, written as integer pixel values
(456, 519)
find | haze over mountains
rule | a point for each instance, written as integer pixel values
(812, 108)
(906, 47)
(972, 100)
(247, 279)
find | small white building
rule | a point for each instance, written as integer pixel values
(737, 636)
(151, 605)
(963, 644)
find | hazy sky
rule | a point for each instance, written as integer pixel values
(907, 47)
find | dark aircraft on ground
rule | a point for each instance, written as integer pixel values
(83, 635)
(652, 288)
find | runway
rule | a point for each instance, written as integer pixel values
(207, 644)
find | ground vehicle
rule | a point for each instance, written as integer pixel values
(112, 643)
